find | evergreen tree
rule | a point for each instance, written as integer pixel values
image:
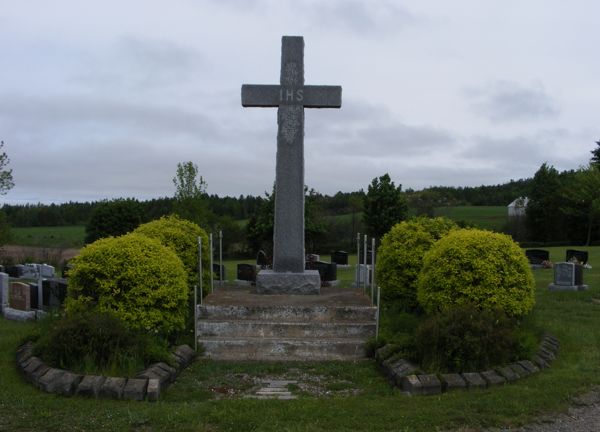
(113, 218)
(542, 213)
(6, 179)
(596, 155)
(384, 206)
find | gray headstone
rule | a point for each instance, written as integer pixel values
(3, 291)
(291, 96)
(568, 276)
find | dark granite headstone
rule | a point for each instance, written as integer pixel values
(262, 260)
(19, 296)
(339, 257)
(218, 272)
(327, 271)
(54, 292)
(580, 256)
(537, 256)
(369, 256)
(15, 271)
(246, 272)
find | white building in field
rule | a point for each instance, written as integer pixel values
(517, 207)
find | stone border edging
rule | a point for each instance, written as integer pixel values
(405, 376)
(148, 384)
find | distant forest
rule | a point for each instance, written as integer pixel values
(244, 207)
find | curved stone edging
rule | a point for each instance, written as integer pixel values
(147, 385)
(406, 376)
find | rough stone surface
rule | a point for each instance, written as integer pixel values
(528, 364)
(18, 315)
(540, 362)
(546, 355)
(412, 385)
(508, 373)
(153, 390)
(49, 381)
(492, 378)
(90, 385)
(24, 353)
(385, 352)
(474, 380)
(135, 389)
(185, 353)
(112, 388)
(303, 283)
(430, 384)
(399, 369)
(519, 370)
(452, 381)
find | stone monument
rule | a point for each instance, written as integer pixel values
(290, 97)
(568, 276)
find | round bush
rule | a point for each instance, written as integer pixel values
(400, 257)
(181, 236)
(486, 269)
(136, 278)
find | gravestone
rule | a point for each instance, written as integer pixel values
(54, 292)
(19, 296)
(537, 256)
(568, 276)
(4, 282)
(262, 260)
(15, 271)
(580, 256)
(290, 97)
(246, 272)
(339, 257)
(218, 272)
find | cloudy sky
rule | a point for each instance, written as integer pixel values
(103, 99)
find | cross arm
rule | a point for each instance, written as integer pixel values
(260, 95)
(317, 96)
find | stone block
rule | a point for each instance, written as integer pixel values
(49, 381)
(67, 384)
(112, 388)
(399, 369)
(430, 384)
(550, 347)
(552, 340)
(546, 355)
(170, 370)
(153, 390)
(303, 283)
(31, 366)
(474, 380)
(185, 353)
(528, 364)
(90, 385)
(412, 385)
(519, 370)
(135, 389)
(156, 372)
(385, 352)
(540, 362)
(452, 381)
(492, 378)
(24, 353)
(508, 373)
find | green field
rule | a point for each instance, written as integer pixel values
(208, 395)
(486, 217)
(60, 237)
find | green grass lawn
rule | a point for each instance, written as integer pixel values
(192, 404)
(487, 217)
(61, 236)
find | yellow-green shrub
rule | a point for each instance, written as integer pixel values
(400, 257)
(136, 278)
(181, 236)
(482, 268)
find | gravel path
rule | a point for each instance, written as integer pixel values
(583, 416)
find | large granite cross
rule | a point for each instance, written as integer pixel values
(291, 96)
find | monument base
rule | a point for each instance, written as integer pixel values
(554, 287)
(270, 282)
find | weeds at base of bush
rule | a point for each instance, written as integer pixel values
(465, 338)
(97, 343)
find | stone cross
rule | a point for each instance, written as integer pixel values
(291, 96)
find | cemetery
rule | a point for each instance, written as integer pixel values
(292, 341)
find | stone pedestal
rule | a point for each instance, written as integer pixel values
(557, 287)
(270, 282)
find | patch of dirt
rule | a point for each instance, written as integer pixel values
(48, 255)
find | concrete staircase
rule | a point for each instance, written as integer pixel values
(237, 324)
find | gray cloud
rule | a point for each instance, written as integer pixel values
(505, 101)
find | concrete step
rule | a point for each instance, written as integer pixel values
(283, 349)
(288, 313)
(285, 329)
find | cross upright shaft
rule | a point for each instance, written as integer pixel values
(291, 96)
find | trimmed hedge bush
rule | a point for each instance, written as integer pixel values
(482, 268)
(134, 277)
(400, 257)
(181, 236)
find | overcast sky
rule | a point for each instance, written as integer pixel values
(102, 99)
